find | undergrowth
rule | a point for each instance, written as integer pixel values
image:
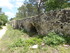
(54, 39)
(26, 43)
(17, 41)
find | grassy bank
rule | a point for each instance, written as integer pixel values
(17, 41)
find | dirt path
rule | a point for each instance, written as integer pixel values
(2, 31)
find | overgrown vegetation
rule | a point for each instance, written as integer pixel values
(54, 39)
(26, 43)
(56, 4)
(17, 41)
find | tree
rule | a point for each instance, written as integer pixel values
(0, 10)
(3, 18)
(31, 10)
(21, 12)
(26, 11)
(55, 4)
(37, 4)
(35, 7)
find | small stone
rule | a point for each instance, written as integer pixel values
(34, 46)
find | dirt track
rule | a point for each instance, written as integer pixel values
(2, 31)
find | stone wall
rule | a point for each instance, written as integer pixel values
(58, 21)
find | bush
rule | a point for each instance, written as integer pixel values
(67, 38)
(18, 43)
(3, 19)
(31, 41)
(53, 39)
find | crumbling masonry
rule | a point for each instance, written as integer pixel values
(57, 21)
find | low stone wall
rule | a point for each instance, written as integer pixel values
(58, 21)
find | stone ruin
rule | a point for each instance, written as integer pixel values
(57, 21)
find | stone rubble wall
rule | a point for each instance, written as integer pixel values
(57, 21)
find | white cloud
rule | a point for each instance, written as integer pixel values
(6, 3)
(11, 5)
(18, 0)
(10, 14)
(18, 4)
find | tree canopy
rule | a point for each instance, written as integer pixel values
(3, 18)
(55, 4)
(35, 7)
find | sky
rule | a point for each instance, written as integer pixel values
(9, 7)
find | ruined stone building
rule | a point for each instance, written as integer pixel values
(57, 21)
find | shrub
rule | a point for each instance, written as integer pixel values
(31, 41)
(67, 38)
(18, 43)
(53, 39)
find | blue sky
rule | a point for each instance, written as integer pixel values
(10, 6)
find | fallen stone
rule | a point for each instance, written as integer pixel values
(34, 47)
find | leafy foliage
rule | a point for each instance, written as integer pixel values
(34, 41)
(55, 4)
(31, 41)
(29, 8)
(3, 18)
(67, 38)
(35, 7)
(18, 43)
(26, 10)
(53, 39)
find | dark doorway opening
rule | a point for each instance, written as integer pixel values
(33, 30)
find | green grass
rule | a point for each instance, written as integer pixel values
(17, 41)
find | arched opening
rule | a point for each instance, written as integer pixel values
(33, 29)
